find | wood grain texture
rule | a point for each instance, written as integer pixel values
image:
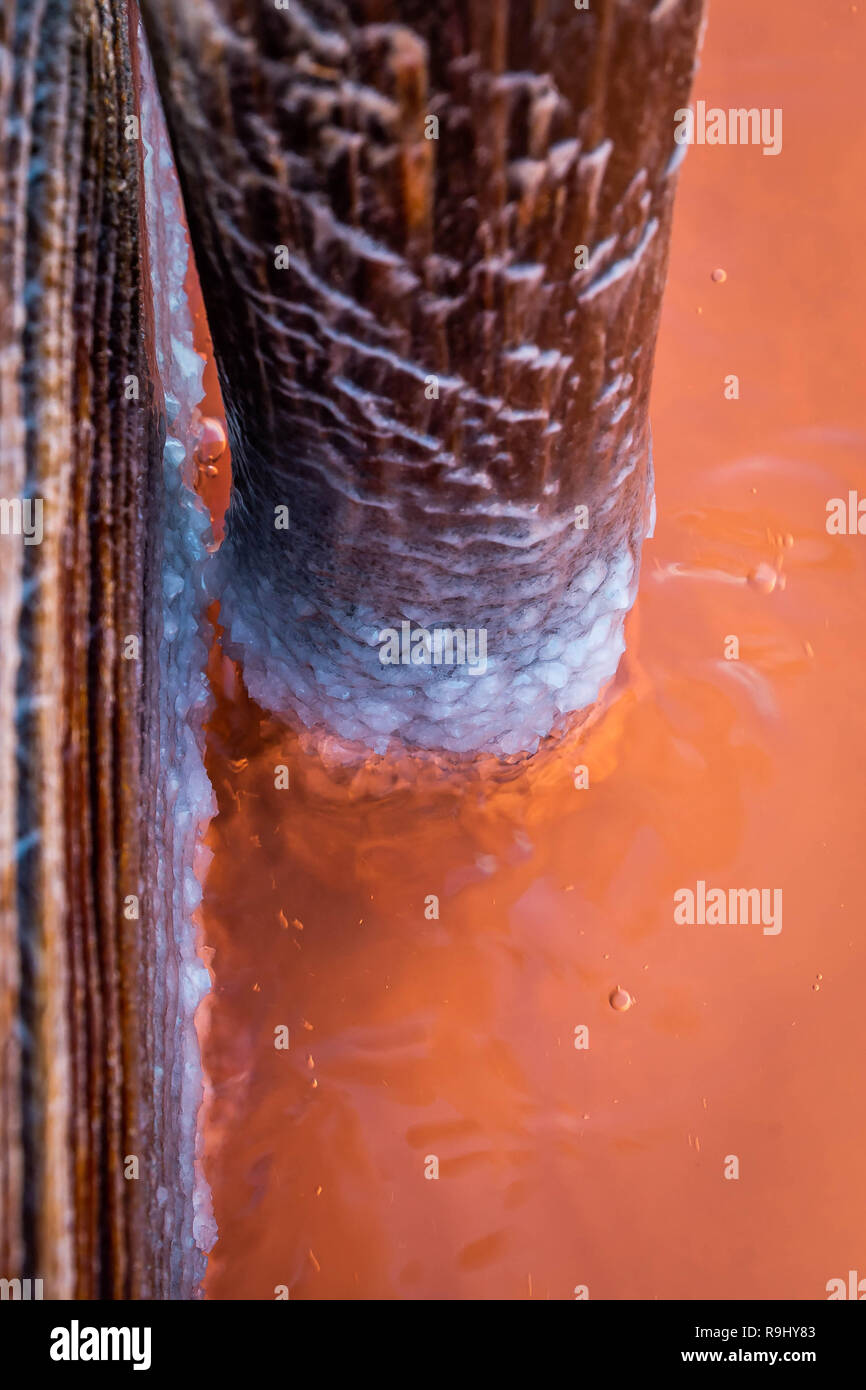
(408, 259)
(73, 329)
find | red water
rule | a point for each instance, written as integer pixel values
(413, 1038)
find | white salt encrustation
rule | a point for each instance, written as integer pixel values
(180, 1197)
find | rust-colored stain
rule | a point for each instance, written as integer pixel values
(522, 1061)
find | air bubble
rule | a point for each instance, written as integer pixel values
(212, 440)
(621, 1000)
(764, 578)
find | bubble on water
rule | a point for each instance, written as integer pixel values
(621, 1000)
(212, 440)
(719, 276)
(764, 578)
